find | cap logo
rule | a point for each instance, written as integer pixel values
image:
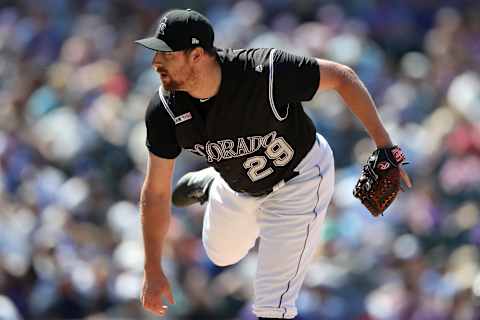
(195, 41)
(162, 26)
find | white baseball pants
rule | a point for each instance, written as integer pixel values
(288, 222)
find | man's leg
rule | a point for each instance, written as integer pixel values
(290, 220)
(230, 226)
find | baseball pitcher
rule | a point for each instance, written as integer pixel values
(270, 175)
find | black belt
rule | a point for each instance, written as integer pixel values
(265, 192)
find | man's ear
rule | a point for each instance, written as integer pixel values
(196, 54)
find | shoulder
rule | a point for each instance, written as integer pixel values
(256, 59)
(246, 59)
(280, 56)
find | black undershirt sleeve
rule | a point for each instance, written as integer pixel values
(161, 138)
(295, 78)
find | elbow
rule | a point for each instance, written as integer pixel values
(347, 74)
(347, 78)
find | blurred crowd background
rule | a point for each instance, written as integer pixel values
(73, 94)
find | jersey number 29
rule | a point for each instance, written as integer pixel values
(279, 151)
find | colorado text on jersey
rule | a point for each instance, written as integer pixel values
(276, 149)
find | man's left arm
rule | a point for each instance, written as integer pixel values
(338, 77)
(297, 78)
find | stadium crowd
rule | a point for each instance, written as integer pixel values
(73, 94)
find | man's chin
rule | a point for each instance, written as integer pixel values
(171, 86)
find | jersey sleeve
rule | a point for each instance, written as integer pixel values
(294, 78)
(161, 138)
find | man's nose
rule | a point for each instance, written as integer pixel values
(156, 60)
(156, 65)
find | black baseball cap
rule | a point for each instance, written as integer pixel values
(180, 30)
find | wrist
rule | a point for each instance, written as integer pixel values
(385, 145)
(379, 135)
(152, 265)
(383, 141)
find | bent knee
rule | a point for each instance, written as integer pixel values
(223, 261)
(223, 258)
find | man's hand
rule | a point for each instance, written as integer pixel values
(155, 289)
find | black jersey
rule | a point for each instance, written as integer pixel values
(254, 131)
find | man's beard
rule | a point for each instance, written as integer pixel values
(177, 85)
(171, 84)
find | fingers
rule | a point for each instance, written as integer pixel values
(155, 305)
(153, 301)
(160, 310)
(405, 178)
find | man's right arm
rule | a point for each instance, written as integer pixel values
(155, 209)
